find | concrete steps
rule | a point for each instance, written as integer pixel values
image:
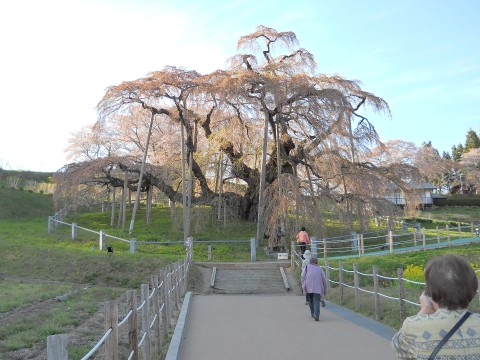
(249, 278)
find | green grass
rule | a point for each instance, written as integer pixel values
(57, 318)
(19, 204)
(65, 279)
(452, 213)
(15, 294)
(167, 227)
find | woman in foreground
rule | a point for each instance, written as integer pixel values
(450, 286)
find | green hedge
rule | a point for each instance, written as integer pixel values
(465, 200)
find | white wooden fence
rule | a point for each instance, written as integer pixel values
(57, 220)
(397, 240)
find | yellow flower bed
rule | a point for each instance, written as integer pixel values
(414, 273)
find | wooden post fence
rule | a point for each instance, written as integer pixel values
(327, 274)
(57, 347)
(325, 249)
(157, 316)
(74, 231)
(111, 323)
(376, 288)
(357, 286)
(390, 239)
(401, 294)
(361, 245)
(448, 234)
(145, 300)
(101, 240)
(157, 307)
(164, 297)
(423, 239)
(132, 324)
(292, 255)
(340, 280)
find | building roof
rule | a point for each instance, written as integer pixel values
(413, 185)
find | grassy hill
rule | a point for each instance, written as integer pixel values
(21, 204)
(25, 194)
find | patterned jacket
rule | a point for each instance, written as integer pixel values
(420, 334)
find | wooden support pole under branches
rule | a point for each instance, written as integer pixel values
(112, 217)
(142, 170)
(262, 181)
(149, 204)
(185, 218)
(220, 189)
(122, 216)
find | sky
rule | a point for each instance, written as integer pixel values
(59, 57)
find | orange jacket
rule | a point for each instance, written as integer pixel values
(302, 236)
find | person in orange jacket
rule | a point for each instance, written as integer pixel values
(303, 240)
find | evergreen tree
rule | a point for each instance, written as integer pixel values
(457, 152)
(472, 141)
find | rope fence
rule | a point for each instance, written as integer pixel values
(151, 321)
(399, 291)
(396, 240)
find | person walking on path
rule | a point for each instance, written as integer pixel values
(307, 255)
(315, 286)
(450, 285)
(303, 239)
(306, 260)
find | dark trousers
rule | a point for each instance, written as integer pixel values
(314, 303)
(303, 247)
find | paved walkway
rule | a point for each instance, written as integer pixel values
(274, 327)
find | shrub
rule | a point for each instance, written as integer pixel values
(414, 273)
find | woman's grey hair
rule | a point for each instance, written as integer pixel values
(450, 281)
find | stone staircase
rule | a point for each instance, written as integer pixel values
(271, 278)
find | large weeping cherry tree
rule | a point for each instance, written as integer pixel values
(294, 143)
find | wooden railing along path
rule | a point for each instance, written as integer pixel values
(145, 326)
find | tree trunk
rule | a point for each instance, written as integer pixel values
(149, 204)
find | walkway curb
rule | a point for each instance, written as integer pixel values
(374, 326)
(177, 337)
